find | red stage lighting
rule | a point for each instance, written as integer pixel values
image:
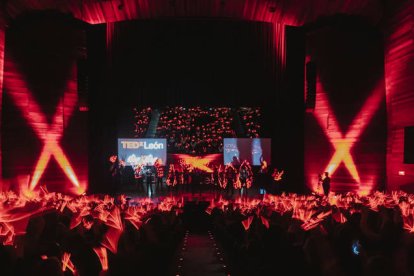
(343, 144)
(199, 162)
(49, 134)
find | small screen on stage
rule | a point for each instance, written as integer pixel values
(251, 149)
(142, 151)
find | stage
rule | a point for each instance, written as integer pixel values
(226, 137)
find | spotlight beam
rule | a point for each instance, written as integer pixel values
(49, 134)
(343, 144)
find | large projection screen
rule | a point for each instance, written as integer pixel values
(251, 149)
(142, 151)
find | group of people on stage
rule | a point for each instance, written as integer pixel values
(230, 177)
(148, 173)
(234, 176)
(138, 174)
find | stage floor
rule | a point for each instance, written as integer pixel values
(202, 193)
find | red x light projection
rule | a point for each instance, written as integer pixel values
(204, 162)
(49, 134)
(344, 143)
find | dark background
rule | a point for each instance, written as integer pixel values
(194, 62)
(408, 145)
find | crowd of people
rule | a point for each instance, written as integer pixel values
(195, 129)
(250, 118)
(46, 233)
(198, 130)
(316, 234)
(142, 118)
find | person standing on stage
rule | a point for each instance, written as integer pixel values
(179, 175)
(277, 181)
(261, 177)
(326, 183)
(319, 189)
(230, 175)
(160, 175)
(171, 181)
(139, 181)
(245, 176)
(215, 178)
(187, 178)
(235, 163)
(148, 179)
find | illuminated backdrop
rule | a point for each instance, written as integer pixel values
(44, 134)
(398, 69)
(346, 133)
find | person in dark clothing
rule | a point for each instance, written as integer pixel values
(326, 183)
(148, 179)
(160, 176)
(139, 181)
(245, 176)
(230, 175)
(215, 179)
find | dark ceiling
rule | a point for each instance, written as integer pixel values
(290, 12)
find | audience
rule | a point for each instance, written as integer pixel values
(195, 130)
(142, 119)
(317, 235)
(87, 235)
(198, 130)
(53, 234)
(250, 118)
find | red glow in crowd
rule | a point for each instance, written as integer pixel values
(88, 212)
(312, 210)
